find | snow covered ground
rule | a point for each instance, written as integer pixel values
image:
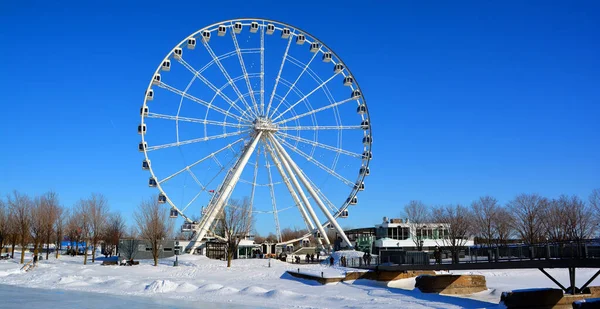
(251, 283)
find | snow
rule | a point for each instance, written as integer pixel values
(252, 283)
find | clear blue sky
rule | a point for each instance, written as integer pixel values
(466, 98)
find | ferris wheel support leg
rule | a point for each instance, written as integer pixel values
(303, 197)
(309, 225)
(312, 192)
(226, 190)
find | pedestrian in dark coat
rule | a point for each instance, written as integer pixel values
(331, 261)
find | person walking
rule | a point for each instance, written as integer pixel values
(331, 261)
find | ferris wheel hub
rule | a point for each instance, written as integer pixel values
(264, 124)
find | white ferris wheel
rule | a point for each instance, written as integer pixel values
(259, 109)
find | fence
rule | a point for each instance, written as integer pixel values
(564, 250)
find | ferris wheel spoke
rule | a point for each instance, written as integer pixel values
(187, 168)
(287, 167)
(306, 183)
(314, 111)
(197, 120)
(285, 55)
(286, 180)
(229, 80)
(312, 128)
(306, 96)
(320, 145)
(316, 162)
(273, 202)
(244, 72)
(196, 140)
(254, 182)
(262, 68)
(222, 194)
(294, 83)
(217, 91)
(201, 102)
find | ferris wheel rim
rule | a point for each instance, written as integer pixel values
(365, 162)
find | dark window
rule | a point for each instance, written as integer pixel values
(168, 249)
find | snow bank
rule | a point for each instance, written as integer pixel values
(162, 286)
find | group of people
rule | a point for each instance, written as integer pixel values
(309, 258)
(367, 258)
(343, 261)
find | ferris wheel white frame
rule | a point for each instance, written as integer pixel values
(262, 126)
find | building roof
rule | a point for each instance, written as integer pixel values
(391, 243)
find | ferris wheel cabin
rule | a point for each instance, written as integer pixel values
(367, 155)
(152, 182)
(327, 57)
(361, 109)
(162, 198)
(156, 79)
(191, 43)
(149, 95)
(146, 165)
(344, 213)
(206, 36)
(173, 213)
(360, 186)
(300, 39)
(367, 140)
(222, 30)
(270, 29)
(142, 146)
(285, 33)
(253, 27)
(314, 47)
(352, 201)
(166, 65)
(142, 128)
(355, 94)
(144, 111)
(364, 124)
(338, 68)
(364, 170)
(237, 28)
(177, 53)
(348, 80)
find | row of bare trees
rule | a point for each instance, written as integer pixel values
(528, 218)
(42, 221)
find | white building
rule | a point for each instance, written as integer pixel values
(399, 234)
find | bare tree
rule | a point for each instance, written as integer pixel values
(503, 226)
(4, 228)
(73, 230)
(153, 224)
(12, 229)
(555, 220)
(594, 201)
(579, 217)
(59, 227)
(98, 213)
(236, 224)
(50, 209)
(114, 231)
(82, 219)
(38, 223)
(129, 246)
(457, 220)
(416, 213)
(485, 211)
(528, 210)
(21, 205)
(289, 234)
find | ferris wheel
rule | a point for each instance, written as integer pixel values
(259, 109)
